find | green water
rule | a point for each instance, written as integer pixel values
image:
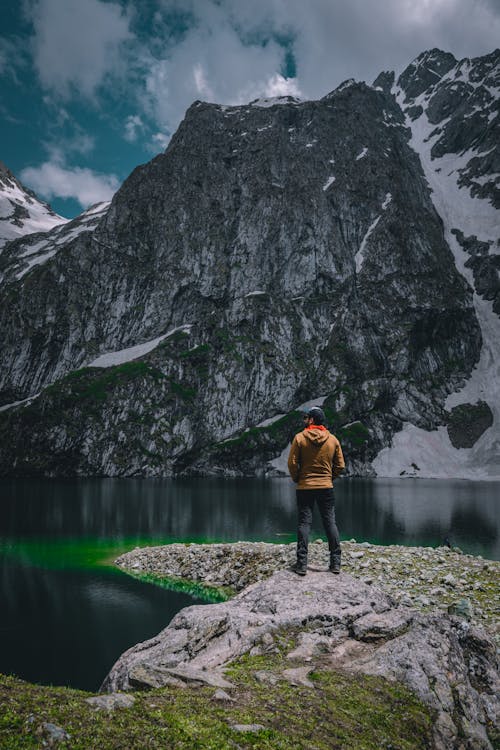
(68, 613)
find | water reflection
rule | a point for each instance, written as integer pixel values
(69, 627)
(428, 511)
(64, 624)
(384, 510)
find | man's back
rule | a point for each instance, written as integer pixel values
(315, 458)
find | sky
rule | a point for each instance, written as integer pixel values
(92, 88)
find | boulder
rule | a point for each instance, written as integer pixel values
(449, 663)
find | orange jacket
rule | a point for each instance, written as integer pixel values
(315, 459)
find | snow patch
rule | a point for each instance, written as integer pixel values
(40, 218)
(24, 402)
(34, 248)
(273, 100)
(345, 85)
(111, 359)
(388, 199)
(433, 451)
(36, 262)
(416, 452)
(280, 463)
(271, 420)
(98, 208)
(359, 257)
(319, 401)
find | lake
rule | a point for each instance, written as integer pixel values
(67, 613)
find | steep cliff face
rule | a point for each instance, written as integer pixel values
(277, 253)
(453, 110)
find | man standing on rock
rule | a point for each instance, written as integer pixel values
(315, 460)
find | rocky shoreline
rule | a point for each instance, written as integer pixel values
(426, 578)
(368, 659)
(424, 618)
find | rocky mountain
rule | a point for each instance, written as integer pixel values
(35, 248)
(453, 110)
(21, 211)
(341, 251)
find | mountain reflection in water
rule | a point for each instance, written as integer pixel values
(387, 511)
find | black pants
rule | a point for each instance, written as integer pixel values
(305, 505)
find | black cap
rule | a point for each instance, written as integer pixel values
(317, 414)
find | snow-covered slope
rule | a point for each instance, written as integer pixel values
(21, 212)
(23, 254)
(453, 111)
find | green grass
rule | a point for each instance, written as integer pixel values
(339, 712)
(288, 422)
(356, 433)
(95, 383)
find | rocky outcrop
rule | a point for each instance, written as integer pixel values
(421, 577)
(467, 423)
(340, 622)
(452, 110)
(484, 262)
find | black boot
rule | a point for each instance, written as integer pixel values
(300, 568)
(334, 565)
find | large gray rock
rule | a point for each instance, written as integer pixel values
(451, 664)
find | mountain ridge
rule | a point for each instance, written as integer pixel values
(297, 248)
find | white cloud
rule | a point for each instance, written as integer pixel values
(159, 141)
(277, 85)
(213, 62)
(77, 43)
(231, 55)
(333, 40)
(133, 125)
(80, 143)
(53, 180)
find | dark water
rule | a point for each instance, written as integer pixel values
(66, 615)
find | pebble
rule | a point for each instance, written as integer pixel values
(247, 727)
(462, 608)
(221, 695)
(111, 701)
(52, 734)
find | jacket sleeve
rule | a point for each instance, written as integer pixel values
(294, 460)
(338, 463)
